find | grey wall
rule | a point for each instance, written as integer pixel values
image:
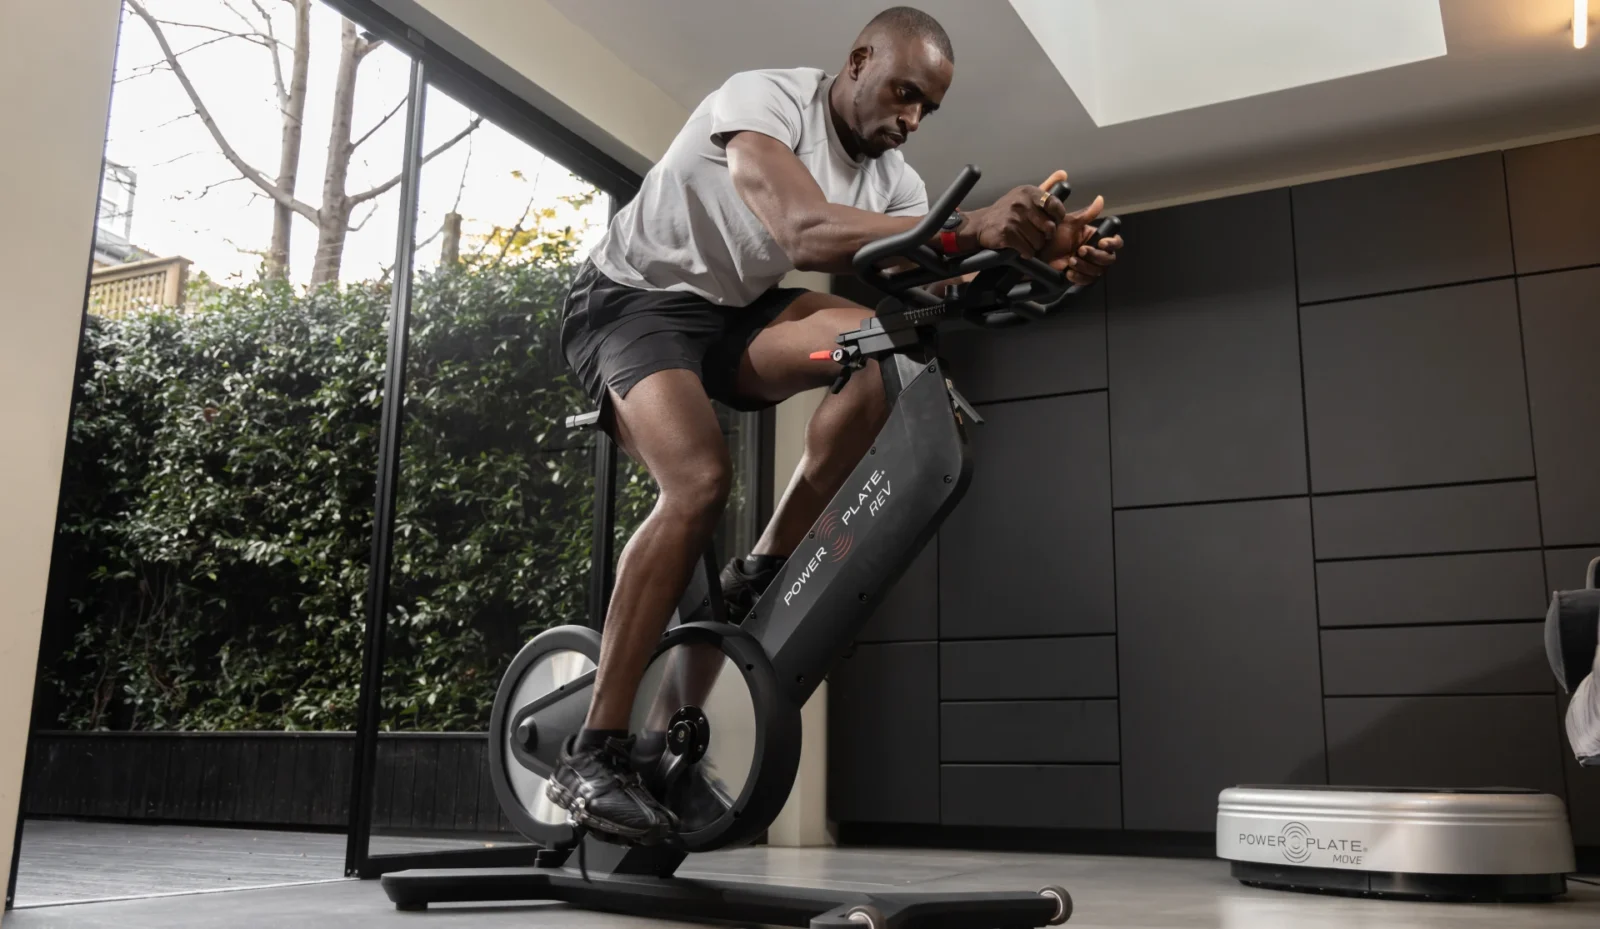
(1282, 503)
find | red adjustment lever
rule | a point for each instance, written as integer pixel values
(822, 356)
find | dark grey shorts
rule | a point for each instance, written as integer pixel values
(615, 336)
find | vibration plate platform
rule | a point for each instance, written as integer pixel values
(1430, 843)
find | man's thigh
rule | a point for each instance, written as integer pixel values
(777, 363)
(666, 423)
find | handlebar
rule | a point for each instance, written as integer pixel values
(873, 252)
(1009, 289)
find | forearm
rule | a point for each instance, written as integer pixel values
(816, 235)
(826, 236)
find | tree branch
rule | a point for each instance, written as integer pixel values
(255, 177)
(436, 233)
(366, 48)
(465, 165)
(176, 158)
(220, 38)
(381, 188)
(253, 35)
(368, 134)
(515, 230)
(370, 213)
(208, 188)
(263, 11)
(241, 17)
(454, 209)
(277, 63)
(154, 66)
(142, 71)
(175, 119)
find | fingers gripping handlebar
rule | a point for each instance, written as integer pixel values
(1009, 289)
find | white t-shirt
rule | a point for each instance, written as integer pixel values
(1583, 716)
(689, 230)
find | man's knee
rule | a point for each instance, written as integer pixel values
(863, 398)
(696, 489)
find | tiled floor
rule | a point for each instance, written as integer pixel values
(1108, 892)
(64, 862)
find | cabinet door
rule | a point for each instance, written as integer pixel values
(883, 734)
(1217, 656)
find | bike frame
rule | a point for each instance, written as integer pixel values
(893, 502)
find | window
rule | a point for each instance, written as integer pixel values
(214, 542)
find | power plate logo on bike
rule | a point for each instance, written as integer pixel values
(836, 530)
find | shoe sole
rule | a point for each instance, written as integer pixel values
(565, 799)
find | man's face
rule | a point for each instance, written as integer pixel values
(897, 85)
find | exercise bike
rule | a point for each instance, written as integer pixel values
(728, 697)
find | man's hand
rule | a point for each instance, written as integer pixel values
(1070, 248)
(1025, 219)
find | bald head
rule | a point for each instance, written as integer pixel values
(908, 22)
(898, 71)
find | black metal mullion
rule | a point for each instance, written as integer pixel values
(22, 808)
(602, 568)
(602, 548)
(364, 769)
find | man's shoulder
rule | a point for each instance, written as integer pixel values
(799, 83)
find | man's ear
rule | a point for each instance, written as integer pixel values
(858, 61)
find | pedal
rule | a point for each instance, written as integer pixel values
(551, 857)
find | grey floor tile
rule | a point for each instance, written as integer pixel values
(65, 861)
(1110, 893)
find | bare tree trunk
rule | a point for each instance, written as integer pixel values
(333, 219)
(246, 170)
(294, 109)
(450, 250)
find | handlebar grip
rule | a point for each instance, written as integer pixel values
(924, 230)
(1061, 190)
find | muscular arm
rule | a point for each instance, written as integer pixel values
(816, 235)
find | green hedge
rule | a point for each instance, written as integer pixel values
(210, 567)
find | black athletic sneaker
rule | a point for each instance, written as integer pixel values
(601, 791)
(743, 582)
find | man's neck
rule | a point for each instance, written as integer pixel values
(841, 126)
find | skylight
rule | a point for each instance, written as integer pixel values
(1134, 59)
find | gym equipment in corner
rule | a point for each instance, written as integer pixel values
(1438, 844)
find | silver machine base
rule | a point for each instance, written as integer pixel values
(1429, 843)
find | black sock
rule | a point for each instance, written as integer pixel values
(591, 739)
(652, 744)
(762, 564)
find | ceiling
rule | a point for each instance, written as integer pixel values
(1510, 73)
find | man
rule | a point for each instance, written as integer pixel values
(679, 306)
